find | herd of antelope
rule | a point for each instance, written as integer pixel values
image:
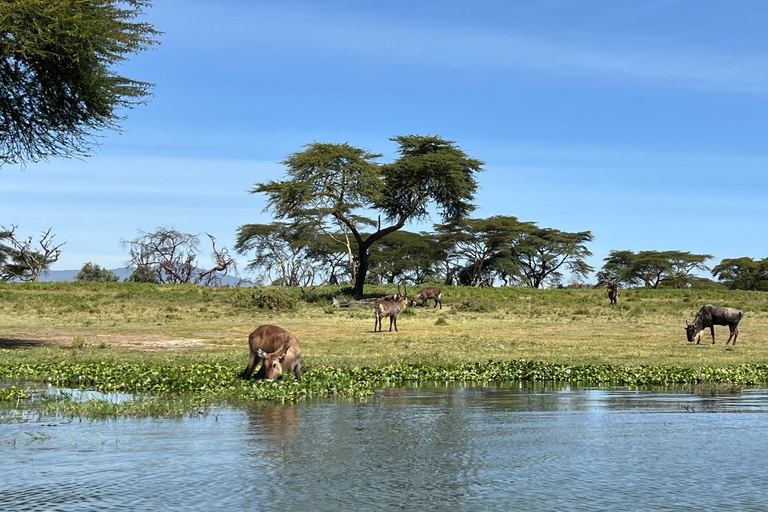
(278, 350)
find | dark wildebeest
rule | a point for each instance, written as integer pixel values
(389, 308)
(277, 349)
(427, 293)
(613, 292)
(710, 316)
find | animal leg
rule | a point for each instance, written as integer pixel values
(262, 373)
(734, 334)
(712, 328)
(297, 371)
(249, 367)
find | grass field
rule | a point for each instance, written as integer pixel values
(153, 324)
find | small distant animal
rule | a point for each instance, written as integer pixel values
(389, 308)
(710, 316)
(277, 350)
(613, 292)
(430, 292)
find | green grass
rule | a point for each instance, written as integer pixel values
(139, 330)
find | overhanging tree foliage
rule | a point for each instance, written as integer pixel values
(339, 187)
(58, 84)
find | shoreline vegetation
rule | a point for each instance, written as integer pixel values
(180, 349)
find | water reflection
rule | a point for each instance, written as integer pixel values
(518, 447)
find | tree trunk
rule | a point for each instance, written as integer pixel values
(362, 271)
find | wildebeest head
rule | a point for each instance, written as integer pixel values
(692, 333)
(273, 364)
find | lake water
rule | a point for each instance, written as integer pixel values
(521, 447)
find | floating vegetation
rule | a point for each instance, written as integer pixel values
(173, 390)
(13, 394)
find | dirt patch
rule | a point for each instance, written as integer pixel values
(65, 338)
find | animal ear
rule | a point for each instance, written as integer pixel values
(282, 356)
(260, 354)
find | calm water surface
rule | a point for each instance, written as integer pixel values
(462, 448)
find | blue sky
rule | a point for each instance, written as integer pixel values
(643, 122)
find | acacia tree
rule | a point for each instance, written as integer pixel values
(541, 253)
(58, 86)
(23, 260)
(742, 273)
(339, 187)
(281, 251)
(651, 268)
(172, 256)
(480, 245)
(404, 255)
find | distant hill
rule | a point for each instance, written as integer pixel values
(58, 276)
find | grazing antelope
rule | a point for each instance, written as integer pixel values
(710, 316)
(613, 292)
(427, 293)
(277, 349)
(389, 308)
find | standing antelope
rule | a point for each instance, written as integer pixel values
(427, 293)
(277, 349)
(613, 292)
(389, 308)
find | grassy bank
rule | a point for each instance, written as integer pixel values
(169, 328)
(158, 324)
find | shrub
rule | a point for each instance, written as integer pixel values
(273, 299)
(93, 272)
(477, 305)
(142, 274)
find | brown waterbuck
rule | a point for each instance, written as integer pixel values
(710, 316)
(430, 292)
(613, 292)
(277, 349)
(389, 308)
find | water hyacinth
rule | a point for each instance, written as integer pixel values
(209, 383)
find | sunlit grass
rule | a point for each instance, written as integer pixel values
(150, 324)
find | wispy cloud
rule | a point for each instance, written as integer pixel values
(317, 36)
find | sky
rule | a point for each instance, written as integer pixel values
(643, 122)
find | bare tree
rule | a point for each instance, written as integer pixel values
(20, 259)
(172, 256)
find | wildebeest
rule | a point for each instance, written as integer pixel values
(613, 292)
(710, 316)
(277, 349)
(430, 292)
(389, 308)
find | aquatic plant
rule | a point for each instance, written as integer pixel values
(172, 390)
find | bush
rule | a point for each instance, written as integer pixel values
(93, 272)
(273, 299)
(477, 305)
(142, 274)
